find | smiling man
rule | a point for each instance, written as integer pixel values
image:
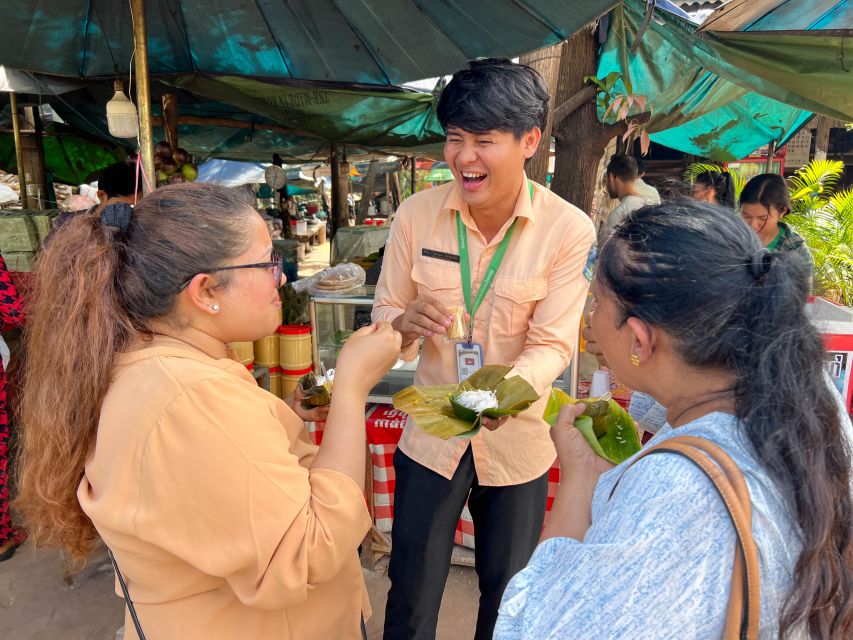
(517, 258)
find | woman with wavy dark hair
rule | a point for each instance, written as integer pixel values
(139, 428)
(693, 310)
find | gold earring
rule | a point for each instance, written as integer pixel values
(635, 360)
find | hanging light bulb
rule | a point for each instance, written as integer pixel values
(121, 114)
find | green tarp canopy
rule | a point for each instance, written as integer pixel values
(699, 104)
(383, 42)
(68, 158)
(295, 120)
(798, 52)
(387, 120)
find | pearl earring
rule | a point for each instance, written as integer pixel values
(215, 307)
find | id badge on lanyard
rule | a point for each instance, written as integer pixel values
(469, 354)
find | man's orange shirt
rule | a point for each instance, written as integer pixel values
(530, 318)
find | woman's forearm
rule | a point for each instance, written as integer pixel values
(343, 447)
(571, 512)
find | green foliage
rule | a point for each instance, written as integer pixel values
(811, 183)
(824, 218)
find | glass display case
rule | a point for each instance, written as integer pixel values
(333, 319)
(335, 316)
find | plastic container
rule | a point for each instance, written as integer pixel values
(294, 347)
(290, 378)
(275, 382)
(301, 228)
(266, 351)
(600, 384)
(245, 352)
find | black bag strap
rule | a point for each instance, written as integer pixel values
(127, 599)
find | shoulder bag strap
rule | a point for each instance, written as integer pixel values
(127, 599)
(743, 612)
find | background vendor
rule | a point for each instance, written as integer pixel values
(514, 255)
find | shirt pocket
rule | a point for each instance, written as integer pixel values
(438, 281)
(515, 300)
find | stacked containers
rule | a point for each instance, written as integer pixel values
(294, 355)
(266, 355)
(245, 353)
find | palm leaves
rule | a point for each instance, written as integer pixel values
(696, 169)
(809, 184)
(824, 218)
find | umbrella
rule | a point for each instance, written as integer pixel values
(384, 42)
(798, 52)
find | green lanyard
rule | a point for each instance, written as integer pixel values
(472, 305)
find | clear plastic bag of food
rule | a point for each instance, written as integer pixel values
(334, 280)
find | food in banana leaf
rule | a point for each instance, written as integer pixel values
(478, 400)
(605, 425)
(444, 411)
(317, 390)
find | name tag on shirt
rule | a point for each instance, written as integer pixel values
(440, 255)
(469, 358)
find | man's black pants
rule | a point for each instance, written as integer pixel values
(507, 525)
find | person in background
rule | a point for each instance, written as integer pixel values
(621, 183)
(693, 310)
(764, 202)
(716, 187)
(117, 183)
(490, 219)
(646, 191)
(222, 517)
(11, 316)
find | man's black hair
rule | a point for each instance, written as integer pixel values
(623, 166)
(118, 180)
(494, 94)
(641, 166)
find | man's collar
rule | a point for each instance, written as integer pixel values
(523, 205)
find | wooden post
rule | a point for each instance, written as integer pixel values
(19, 155)
(170, 119)
(340, 189)
(143, 89)
(821, 141)
(771, 151)
(32, 150)
(414, 174)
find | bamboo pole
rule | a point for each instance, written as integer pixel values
(143, 89)
(19, 152)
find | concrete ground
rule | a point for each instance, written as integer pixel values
(37, 602)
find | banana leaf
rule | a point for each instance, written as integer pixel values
(313, 394)
(605, 425)
(436, 411)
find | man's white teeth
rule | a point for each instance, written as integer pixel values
(473, 176)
